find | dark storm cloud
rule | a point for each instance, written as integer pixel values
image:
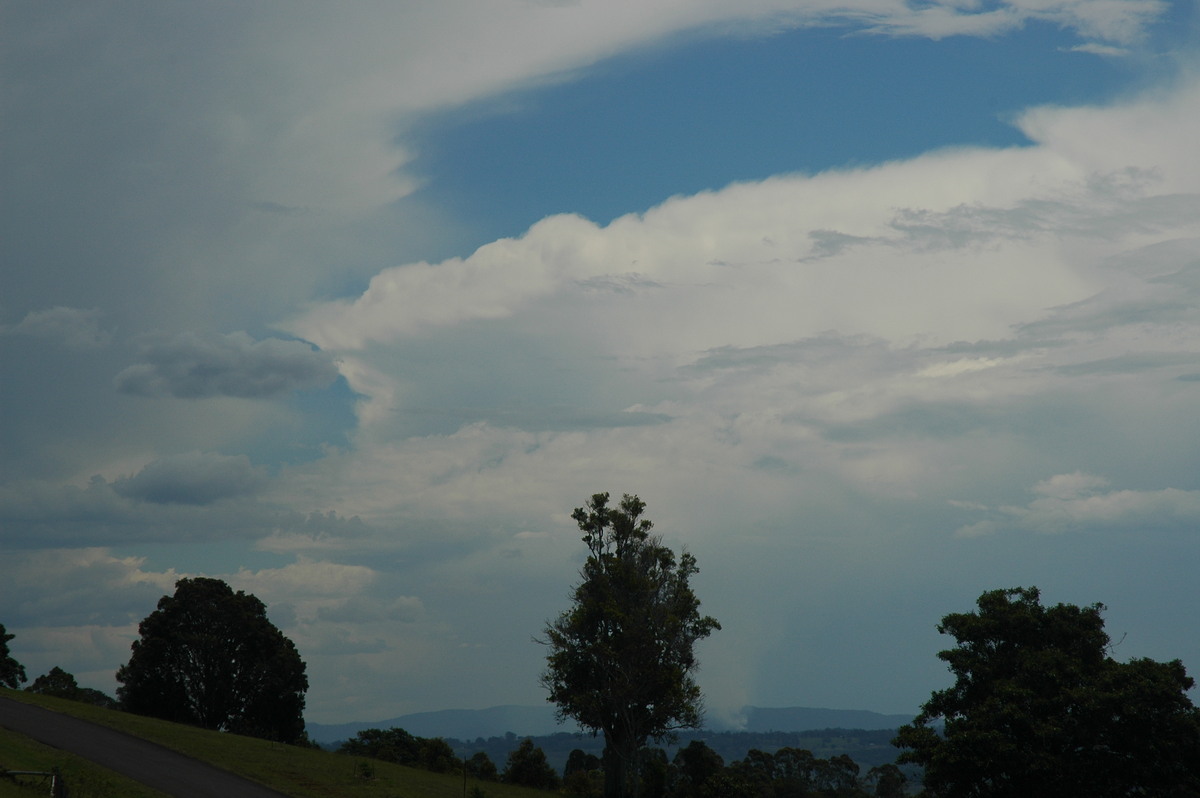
(161, 504)
(197, 478)
(191, 366)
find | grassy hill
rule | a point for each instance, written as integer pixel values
(299, 772)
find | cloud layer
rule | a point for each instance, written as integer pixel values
(241, 341)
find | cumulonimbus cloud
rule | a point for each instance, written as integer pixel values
(192, 366)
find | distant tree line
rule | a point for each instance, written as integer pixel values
(696, 771)
(526, 765)
(866, 747)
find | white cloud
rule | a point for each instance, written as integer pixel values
(1079, 502)
(79, 588)
(1106, 50)
(745, 252)
(305, 578)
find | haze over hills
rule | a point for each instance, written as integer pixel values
(535, 721)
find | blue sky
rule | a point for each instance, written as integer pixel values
(876, 306)
(693, 116)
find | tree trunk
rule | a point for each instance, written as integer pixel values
(620, 767)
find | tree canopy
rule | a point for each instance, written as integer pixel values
(61, 684)
(527, 766)
(210, 657)
(622, 658)
(1039, 708)
(12, 673)
(397, 745)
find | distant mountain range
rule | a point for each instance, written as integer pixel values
(538, 721)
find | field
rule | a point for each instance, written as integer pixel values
(294, 771)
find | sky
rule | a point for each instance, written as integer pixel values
(877, 306)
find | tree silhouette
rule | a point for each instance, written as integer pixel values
(12, 673)
(621, 659)
(1038, 708)
(209, 657)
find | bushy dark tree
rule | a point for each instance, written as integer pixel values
(436, 754)
(621, 659)
(580, 760)
(398, 746)
(838, 776)
(655, 773)
(584, 784)
(528, 767)
(61, 684)
(889, 781)
(583, 776)
(55, 682)
(695, 766)
(1040, 710)
(390, 745)
(209, 657)
(12, 673)
(481, 766)
(787, 773)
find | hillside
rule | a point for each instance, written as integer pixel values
(294, 771)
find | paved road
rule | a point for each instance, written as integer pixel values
(140, 760)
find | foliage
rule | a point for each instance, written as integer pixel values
(695, 766)
(655, 773)
(621, 659)
(580, 760)
(209, 657)
(1038, 708)
(481, 766)
(698, 772)
(437, 755)
(390, 745)
(889, 781)
(398, 746)
(12, 673)
(527, 766)
(58, 682)
(55, 682)
(584, 784)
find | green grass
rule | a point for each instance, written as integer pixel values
(294, 771)
(85, 779)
